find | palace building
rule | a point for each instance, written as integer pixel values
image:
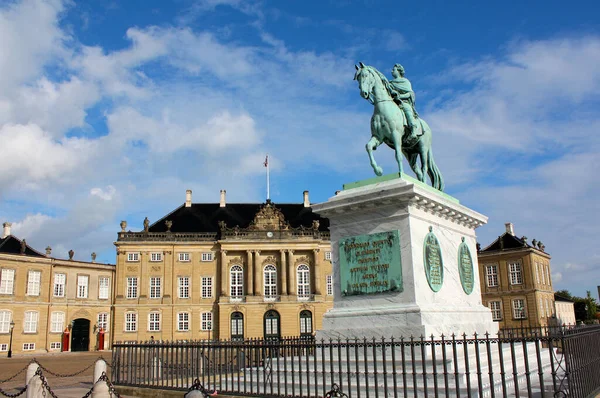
(224, 271)
(516, 282)
(50, 304)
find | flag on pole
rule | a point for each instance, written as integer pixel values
(266, 163)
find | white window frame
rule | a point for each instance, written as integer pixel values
(57, 322)
(206, 321)
(329, 284)
(7, 281)
(156, 257)
(28, 346)
(60, 281)
(132, 287)
(103, 318)
(103, 288)
(83, 288)
(270, 281)
(131, 319)
(184, 257)
(537, 273)
(328, 256)
(491, 275)
(306, 323)
(5, 320)
(133, 257)
(519, 312)
(183, 287)
(155, 288)
(3, 347)
(154, 321)
(236, 281)
(303, 282)
(34, 279)
(496, 312)
(30, 322)
(515, 270)
(207, 256)
(55, 345)
(183, 321)
(207, 287)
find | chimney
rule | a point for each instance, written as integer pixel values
(6, 231)
(306, 200)
(509, 228)
(222, 199)
(188, 198)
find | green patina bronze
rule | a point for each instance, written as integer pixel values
(370, 264)
(432, 258)
(393, 176)
(395, 122)
(465, 267)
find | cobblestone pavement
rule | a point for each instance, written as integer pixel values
(64, 363)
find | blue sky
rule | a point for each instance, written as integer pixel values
(109, 111)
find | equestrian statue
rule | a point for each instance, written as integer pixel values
(395, 122)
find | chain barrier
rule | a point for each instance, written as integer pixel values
(64, 375)
(335, 392)
(197, 386)
(45, 386)
(20, 392)
(111, 387)
(12, 377)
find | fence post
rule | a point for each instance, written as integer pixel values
(33, 382)
(100, 389)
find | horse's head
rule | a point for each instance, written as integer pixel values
(365, 78)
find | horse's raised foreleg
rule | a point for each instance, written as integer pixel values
(397, 139)
(371, 146)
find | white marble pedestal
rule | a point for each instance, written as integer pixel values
(390, 203)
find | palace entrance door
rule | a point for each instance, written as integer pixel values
(80, 335)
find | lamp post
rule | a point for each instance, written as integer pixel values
(12, 326)
(522, 315)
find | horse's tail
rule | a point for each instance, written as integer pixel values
(437, 181)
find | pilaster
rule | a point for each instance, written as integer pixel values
(284, 279)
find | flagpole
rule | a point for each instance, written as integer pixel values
(268, 183)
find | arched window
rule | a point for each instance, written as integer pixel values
(303, 281)
(271, 320)
(270, 281)
(237, 326)
(236, 281)
(305, 323)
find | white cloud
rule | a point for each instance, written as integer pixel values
(104, 194)
(30, 225)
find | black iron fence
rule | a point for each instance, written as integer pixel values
(542, 362)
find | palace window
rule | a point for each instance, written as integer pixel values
(57, 323)
(270, 281)
(303, 279)
(519, 311)
(236, 281)
(7, 281)
(33, 283)
(328, 256)
(516, 274)
(131, 322)
(31, 322)
(206, 323)
(184, 286)
(492, 275)
(207, 287)
(3, 347)
(155, 287)
(103, 321)
(55, 346)
(154, 257)
(237, 326)
(183, 321)
(154, 321)
(82, 286)
(184, 256)
(207, 256)
(132, 287)
(28, 346)
(59, 285)
(305, 323)
(5, 318)
(133, 256)
(537, 273)
(496, 308)
(103, 287)
(329, 282)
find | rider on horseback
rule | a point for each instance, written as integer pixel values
(404, 97)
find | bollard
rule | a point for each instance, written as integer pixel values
(100, 389)
(33, 382)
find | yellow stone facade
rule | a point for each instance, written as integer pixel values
(265, 279)
(42, 311)
(516, 282)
